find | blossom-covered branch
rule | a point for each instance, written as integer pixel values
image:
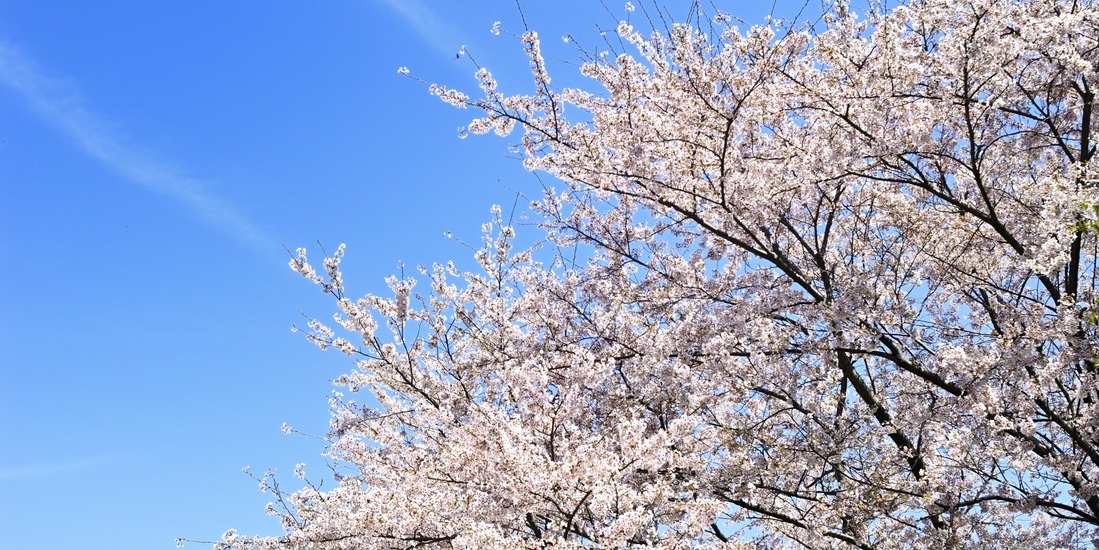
(815, 286)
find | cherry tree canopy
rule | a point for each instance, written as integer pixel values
(808, 285)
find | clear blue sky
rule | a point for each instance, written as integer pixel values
(154, 159)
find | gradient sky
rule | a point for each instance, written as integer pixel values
(155, 158)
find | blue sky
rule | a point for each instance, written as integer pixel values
(155, 157)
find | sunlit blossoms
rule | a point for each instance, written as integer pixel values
(802, 286)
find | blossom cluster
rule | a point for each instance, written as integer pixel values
(809, 286)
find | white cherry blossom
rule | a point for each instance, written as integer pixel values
(802, 286)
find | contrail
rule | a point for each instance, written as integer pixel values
(440, 35)
(53, 469)
(56, 101)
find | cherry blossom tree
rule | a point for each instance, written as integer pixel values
(823, 285)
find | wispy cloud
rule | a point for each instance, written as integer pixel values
(54, 469)
(60, 104)
(436, 32)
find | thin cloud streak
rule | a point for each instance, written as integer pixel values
(55, 469)
(440, 35)
(60, 105)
